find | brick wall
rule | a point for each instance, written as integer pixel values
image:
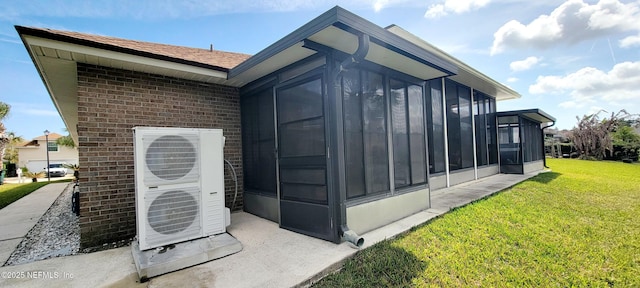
(110, 103)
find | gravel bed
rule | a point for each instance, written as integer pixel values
(56, 234)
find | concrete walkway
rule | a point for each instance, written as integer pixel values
(20, 216)
(272, 257)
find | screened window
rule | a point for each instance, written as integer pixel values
(436, 129)
(365, 131)
(399, 121)
(484, 134)
(453, 125)
(459, 125)
(409, 149)
(492, 133)
(466, 127)
(417, 145)
(479, 115)
(258, 138)
(376, 160)
(353, 136)
(531, 141)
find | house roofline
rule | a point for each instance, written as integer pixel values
(41, 33)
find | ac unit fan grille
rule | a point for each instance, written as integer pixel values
(171, 157)
(172, 212)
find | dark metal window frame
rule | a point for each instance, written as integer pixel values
(388, 74)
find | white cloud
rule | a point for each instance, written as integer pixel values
(40, 112)
(631, 41)
(512, 79)
(568, 104)
(435, 11)
(525, 64)
(589, 85)
(572, 22)
(454, 6)
(378, 5)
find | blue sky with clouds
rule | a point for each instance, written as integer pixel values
(568, 58)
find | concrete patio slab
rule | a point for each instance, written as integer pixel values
(272, 257)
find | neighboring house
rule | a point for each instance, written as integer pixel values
(369, 121)
(33, 154)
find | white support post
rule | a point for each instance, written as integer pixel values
(473, 128)
(446, 134)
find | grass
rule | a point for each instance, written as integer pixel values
(10, 193)
(576, 226)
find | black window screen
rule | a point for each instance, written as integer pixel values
(531, 141)
(375, 133)
(258, 139)
(490, 108)
(353, 136)
(436, 127)
(417, 146)
(400, 135)
(453, 125)
(466, 127)
(482, 149)
(409, 149)
(365, 129)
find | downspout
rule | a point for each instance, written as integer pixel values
(356, 57)
(544, 157)
(363, 48)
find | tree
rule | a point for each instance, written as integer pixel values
(11, 153)
(626, 141)
(593, 137)
(4, 139)
(66, 141)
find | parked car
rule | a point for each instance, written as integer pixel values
(56, 170)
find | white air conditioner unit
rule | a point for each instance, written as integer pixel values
(179, 175)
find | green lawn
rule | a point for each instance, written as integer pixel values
(576, 226)
(10, 193)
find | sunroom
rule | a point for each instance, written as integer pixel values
(521, 139)
(344, 123)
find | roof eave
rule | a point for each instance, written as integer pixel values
(534, 114)
(58, 69)
(466, 75)
(340, 24)
(22, 30)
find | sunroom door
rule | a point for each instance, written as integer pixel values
(302, 159)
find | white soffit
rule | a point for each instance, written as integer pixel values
(280, 60)
(346, 42)
(467, 75)
(96, 56)
(60, 77)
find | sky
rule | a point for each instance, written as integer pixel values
(568, 58)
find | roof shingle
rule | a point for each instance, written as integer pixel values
(212, 58)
